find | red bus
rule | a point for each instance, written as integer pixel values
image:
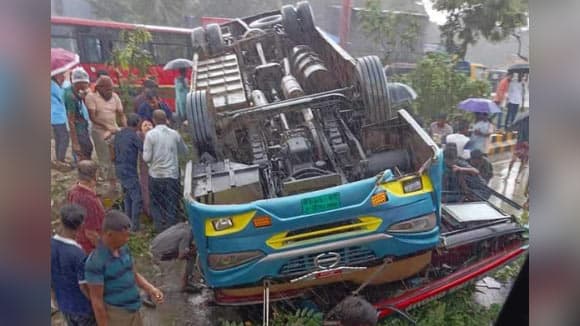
(95, 40)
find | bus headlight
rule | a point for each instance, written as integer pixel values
(412, 185)
(222, 223)
(225, 261)
(419, 224)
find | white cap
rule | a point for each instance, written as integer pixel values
(79, 75)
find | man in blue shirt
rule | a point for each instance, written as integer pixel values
(152, 103)
(67, 269)
(112, 278)
(181, 90)
(58, 120)
(127, 147)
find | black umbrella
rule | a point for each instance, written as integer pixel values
(400, 93)
(520, 68)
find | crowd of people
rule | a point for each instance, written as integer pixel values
(93, 276)
(468, 169)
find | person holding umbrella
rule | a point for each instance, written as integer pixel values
(181, 87)
(483, 128)
(61, 61)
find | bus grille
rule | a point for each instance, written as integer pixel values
(353, 256)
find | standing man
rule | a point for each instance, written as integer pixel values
(482, 129)
(84, 194)
(500, 95)
(58, 121)
(105, 109)
(152, 103)
(181, 89)
(67, 270)
(514, 99)
(460, 139)
(160, 151)
(78, 115)
(112, 278)
(128, 145)
(439, 129)
(148, 84)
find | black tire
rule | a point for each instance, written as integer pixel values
(189, 112)
(266, 22)
(202, 128)
(254, 32)
(304, 12)
(215, 39)
(191, 117)
(372, 85)
(290, 22)
(198, 40)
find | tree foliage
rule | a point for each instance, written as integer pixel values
(131, 62)
(440, 88)
(393, 31)
(469, 20)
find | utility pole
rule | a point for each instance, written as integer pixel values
(344, 27)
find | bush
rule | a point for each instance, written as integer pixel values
(440, 88)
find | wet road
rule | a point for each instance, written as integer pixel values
(511, 185)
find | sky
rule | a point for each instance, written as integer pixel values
(438, 17)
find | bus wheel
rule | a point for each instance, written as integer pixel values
(371, 85)
(290, 22)
(215, 40)
(305, 15)
(201, 126)
(266, 22)
(198, 40)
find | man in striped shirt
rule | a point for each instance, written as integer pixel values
(112, 278)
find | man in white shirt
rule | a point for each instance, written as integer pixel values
(514, 100)
(481, 131)
(460, 139)
(161, 151)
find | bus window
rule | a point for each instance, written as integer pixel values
(62, 30)
(93, 49)
(166, 52)
(66, 43)
(169, 46)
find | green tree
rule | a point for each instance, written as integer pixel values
(440, 88)
(469, 20)
(131, 61)
(393, 31)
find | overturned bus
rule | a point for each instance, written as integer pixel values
(310, 174)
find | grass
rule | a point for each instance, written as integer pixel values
(457, 308)
(139, 242)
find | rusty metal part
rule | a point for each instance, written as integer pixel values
(290, 87)
(259, 98)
